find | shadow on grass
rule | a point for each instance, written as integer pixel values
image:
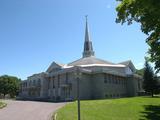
(156, 96)
(152, 112)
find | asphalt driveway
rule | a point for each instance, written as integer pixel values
(28, 110)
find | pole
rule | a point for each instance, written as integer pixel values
(78, 99)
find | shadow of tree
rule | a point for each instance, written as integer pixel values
(152, 112)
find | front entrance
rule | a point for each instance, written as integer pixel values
(66, 93)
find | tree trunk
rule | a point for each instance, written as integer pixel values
(152, 93)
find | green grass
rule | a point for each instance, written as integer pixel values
(136, 108)
(2, 104)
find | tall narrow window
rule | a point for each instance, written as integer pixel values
(39, 82)
(120, 80)
(66, 78)
(105, 78)
(53, 78)
(48, 83)
(34, 82)
(58, 80)
(109, 78)
(29, 83)
(116, 78)
(112, 79)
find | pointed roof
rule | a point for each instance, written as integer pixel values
(129, 64)
(88, 49)
(126, 62)
(87, 36)
(54, 65)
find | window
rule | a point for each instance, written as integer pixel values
(34, 82)
(116, 77)
(48, 83)
(105, 78)
(119, 81)
(53, 81)
(39, 82)
(58, 80)
(109, 78)
(29, 83)
(113, 80)
(66, 78)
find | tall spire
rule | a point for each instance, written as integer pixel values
(88, 49)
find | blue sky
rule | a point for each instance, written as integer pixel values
(34, 33)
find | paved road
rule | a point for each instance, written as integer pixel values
(28, 110)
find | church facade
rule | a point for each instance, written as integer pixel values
(95, 78)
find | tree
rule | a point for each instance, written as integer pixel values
(147, 13)
(140, 72)
(9, 85)
(150, 79)
(3, 85)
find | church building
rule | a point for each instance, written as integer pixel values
(95, 78)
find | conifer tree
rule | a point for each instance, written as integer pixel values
(150, 81)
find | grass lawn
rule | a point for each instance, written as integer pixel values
(2, 104)
(136, 108)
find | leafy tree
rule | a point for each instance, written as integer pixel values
(150, 79)
(9, 85)
(3, 85)
(147, 13)
(140, 72)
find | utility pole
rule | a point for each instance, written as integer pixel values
(78, 73)
(78, 99)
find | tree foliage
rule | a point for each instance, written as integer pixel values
(150, 83)
(147, 13)
(140, 72)
(9, 85)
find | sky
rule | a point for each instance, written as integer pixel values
(34, 33)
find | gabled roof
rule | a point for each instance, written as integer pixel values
(129, 64)
(126, 62)
(54, 65)
(88, 61)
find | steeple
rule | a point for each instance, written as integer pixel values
(88, 49)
